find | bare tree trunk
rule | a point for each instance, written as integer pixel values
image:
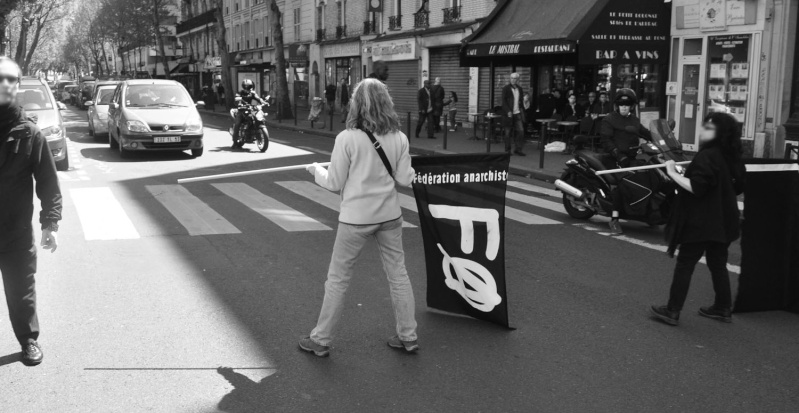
(3, 28)
(221, 44)
(22, 42)
(34, 44)
(160, 37)
(282, 96)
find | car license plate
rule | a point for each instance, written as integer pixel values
(166, 139)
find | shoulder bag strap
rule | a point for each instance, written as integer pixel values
(380, 152)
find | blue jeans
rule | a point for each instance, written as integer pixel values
(350, 240)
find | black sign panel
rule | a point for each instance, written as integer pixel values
(521, 48)
(461, 203)
(628, 32)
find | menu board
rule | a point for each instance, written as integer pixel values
(728, 75)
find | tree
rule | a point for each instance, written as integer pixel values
(159, 14)
(282, 96)
(120, 21)
(35, 16)
(221, 44)
(6, 7)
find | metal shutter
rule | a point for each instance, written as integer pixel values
(445, 63)
(403, 83)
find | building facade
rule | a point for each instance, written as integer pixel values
(201, 65)
(145, 61)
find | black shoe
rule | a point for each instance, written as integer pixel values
(32, 354)
(721, 314)
(519, 152)
(662, 313)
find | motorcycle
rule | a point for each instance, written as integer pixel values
(253, 126)
(652, 191)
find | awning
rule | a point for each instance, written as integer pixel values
(532, 27)
(602, 31)
(180, 68)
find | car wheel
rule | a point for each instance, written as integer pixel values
(63, 164)
(197, 152)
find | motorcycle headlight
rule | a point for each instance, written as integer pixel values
(136, 126)
(194, 125)
(52, 131)
(259, 115)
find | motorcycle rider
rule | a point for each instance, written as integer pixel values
(248, 97)
(619, 141)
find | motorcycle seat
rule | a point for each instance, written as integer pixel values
(594, 160)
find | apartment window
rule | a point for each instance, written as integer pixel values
(237, 35)
(237, 6)
(247, 34)
(297, 25)
(397, 7)
(320, 17)
(340, 12)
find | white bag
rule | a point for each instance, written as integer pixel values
(556, 146)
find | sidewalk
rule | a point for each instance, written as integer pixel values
(457, 142)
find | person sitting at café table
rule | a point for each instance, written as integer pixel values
(572, 110)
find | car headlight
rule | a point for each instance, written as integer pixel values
(136, 126)
(194, 125)
(51, 131)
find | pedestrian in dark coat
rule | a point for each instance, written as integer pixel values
(437, 93)
(24, 156)
(705, 217)
(513, 107)
(424, 100)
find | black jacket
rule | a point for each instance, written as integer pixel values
(423, 97)
(711, 212)
(437, 93)
(616, 140)
(249, 97)
(578, 111)
(25, 155)
(507, 102)
(330, 92)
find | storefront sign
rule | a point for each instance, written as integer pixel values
(712, 15)
(525, 47)
(399, 50)
(628, 32)
(298, 53)
(212, 62)
(341, 50)
(738, 12)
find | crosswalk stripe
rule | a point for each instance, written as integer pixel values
(536, 189)
(272, 209)
(537, 202)
(408, 202)
(320, 195)
(101, 215)
(195, 215)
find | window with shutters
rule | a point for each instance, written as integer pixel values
(297, 28)
(247, 34)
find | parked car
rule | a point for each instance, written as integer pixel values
(97, 113)
(154, 115)
(35, 97)
(86, 89)
(60, 85)
(74, 94)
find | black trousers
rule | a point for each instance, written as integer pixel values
(425, 117)
(18, 269)
(716, 254)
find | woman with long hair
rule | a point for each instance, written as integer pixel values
(370, 209)
(705, 217)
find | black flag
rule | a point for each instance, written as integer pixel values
(461, 202)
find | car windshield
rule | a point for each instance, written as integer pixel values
(156, 95)
(33, 98)
(104, 96)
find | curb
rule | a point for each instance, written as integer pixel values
(528, 173)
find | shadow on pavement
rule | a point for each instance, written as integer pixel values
(111, 155)
(10, 358)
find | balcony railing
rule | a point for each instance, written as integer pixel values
(341, 32)
(452, 14)
(369, 28)
(395, 22)
(320, 35)
(196, 21)
(421, 19)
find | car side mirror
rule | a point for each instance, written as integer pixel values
(200, 104)
(61, 106)
(88, 103)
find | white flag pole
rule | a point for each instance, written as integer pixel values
(245, 173)
(637, 168)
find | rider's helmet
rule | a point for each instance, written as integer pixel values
(247, 85)
(625, 96)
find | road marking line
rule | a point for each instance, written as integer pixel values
(101, 215)
(641, 243)
(314, 150)
(408, 202)
(281, 214)
(537, 202)
(320, 195)
(195, 215)
(537, 189)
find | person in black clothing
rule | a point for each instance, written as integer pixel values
(424, 100)
(344, 96)
(330, 96)
(622, 144)
(705, 217)
(513, 108)
(437, 93)
(546, 106)
(560, 101)
(24, 156)
(603, 106)
(380, 71)
(248, 97)
(572, 110)
(591, 104)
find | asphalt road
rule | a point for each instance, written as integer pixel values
(188, 299)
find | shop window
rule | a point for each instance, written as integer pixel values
(693, 47)
(728, 88)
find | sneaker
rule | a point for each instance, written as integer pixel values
(306, 344)
(615, 227)
(662, 313)
(409, 346)
(32, 354)
(721, 314)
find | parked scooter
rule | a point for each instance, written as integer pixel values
(253, 126)
(586, 194)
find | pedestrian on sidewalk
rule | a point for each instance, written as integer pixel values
(24, 156)
(437, 94)
(344, 94)
(705, 217)
(514, 121)
(452, 109)
(330, 96)
(380, 71)
(370, 158)
(424, 101)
